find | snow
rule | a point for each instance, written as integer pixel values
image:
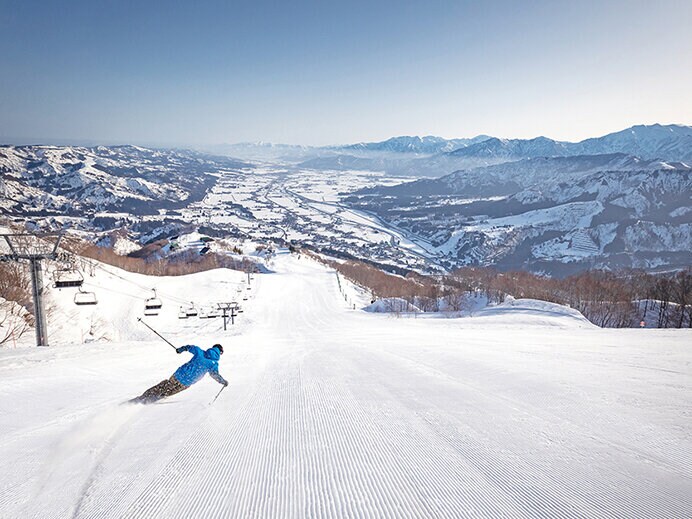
(512, 313)
(561, 217)
(650, 236)
(305, 206)
(680, 211)
(391, 304)
(121, 296)
(577, 244)
(572, 218)
(531, 312)
(124, 246)
(335, 412)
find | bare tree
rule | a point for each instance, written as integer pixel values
(682, 295)
(15, 283)
(14, 321)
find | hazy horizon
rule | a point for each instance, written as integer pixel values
(315, 74)
(19, 141)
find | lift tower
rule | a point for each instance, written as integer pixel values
(33, 247)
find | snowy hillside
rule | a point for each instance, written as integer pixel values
(122, 296)
(335, 412)
(69, 180)
(510, 177)
(669, 142)
(557, 215)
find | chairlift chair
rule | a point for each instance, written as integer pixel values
(85, 298)
(182, 314)
(152, 305)
(190, 310)
(67, 278)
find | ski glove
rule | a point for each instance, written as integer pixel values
(180, 350)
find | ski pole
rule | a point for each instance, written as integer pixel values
(217, 395)
(157, 333)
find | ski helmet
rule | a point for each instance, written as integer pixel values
(218, 347)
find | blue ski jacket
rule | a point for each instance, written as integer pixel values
(202, 362)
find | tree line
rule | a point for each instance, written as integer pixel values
(607, 299)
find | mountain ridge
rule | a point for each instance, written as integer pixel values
(431, 156)
(548, 214)
(672, 141)
(44, 179)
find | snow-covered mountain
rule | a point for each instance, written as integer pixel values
(669, 142)
(403, 156)
(434, 157)
(509, 177)
(413, 144)
(66, 180)
(556, 214)
(513, 149)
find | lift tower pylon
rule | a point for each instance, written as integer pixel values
(33, 247)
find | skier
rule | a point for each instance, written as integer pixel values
(202, 362)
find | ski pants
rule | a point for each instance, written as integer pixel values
(165, 388)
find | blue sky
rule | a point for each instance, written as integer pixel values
(207, 72)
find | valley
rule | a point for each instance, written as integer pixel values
(615, 202)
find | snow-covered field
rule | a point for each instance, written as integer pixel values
(335, 412)
(305, 205)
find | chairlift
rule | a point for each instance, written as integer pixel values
(182, 314)
(152, 305)
(208, 312)
(85, 298)
(190, 310)
(67, 278)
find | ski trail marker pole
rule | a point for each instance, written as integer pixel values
(157, 333)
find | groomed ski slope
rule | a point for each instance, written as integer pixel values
(333, 412)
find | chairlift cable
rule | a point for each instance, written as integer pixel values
(142, 287)
(167, 296)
